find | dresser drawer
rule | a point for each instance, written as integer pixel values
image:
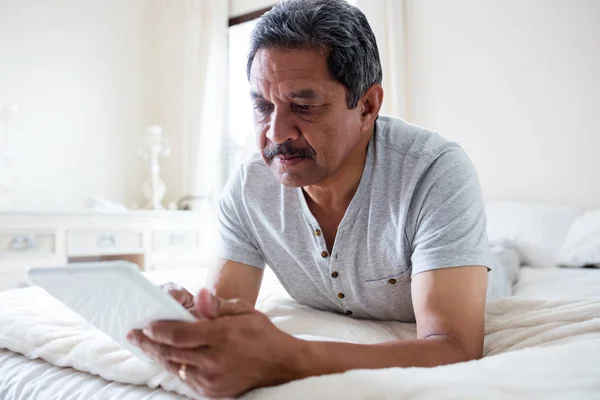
(14, 279)
(27, 243)
(175, 241)
(82, 243)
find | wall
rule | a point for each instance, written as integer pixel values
(169, 47)
(81, 73)
(517, 83)
(88, 77)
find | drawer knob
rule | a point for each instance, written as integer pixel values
(22, 243)
(106, 241)
(176, 240)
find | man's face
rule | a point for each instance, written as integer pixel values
(304, 128)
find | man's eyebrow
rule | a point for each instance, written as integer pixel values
(305, 94)
(299, 94)
(256, 95)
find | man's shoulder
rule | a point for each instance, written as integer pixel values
(401, 138)
(252, 174)
(253, 166)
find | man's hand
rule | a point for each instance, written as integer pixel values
(233, 349)
(182, 296)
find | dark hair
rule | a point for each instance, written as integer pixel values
(332, 26)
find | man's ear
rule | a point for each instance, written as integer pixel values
(370, 104)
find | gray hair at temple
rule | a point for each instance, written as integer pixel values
(328, 26)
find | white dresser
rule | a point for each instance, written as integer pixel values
(154, 240)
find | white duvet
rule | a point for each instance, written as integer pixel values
(533, 349)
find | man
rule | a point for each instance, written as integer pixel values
(356, 214)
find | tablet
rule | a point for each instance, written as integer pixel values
(113, 296)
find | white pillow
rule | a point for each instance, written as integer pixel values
(537, 230)
(582, 246)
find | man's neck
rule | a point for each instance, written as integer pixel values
(336, 193)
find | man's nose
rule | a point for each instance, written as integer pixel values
(282, 127)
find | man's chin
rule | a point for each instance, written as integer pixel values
(288, 180)
(292, 179)
(296, 175)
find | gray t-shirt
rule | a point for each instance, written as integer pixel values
(418, 207)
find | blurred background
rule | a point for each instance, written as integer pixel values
(515, 82)
(117, 114)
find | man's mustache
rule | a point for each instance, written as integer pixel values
(287, 150)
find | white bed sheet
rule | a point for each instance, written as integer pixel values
(22, 378)
(25, 379)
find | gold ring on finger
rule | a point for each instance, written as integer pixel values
(181, 372)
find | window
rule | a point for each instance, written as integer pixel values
(240, 142)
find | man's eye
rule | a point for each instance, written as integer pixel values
(263, 108)
(302, 107)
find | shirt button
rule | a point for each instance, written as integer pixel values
(392, 281)
(334, 274)
(318, 232)
(341, 295)
(348, 312)
(324, 254)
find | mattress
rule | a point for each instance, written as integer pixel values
(36, 379)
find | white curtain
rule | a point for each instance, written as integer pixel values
(387, 19)
(205, 94)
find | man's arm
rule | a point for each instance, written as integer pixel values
(449, 306)
(233, 280)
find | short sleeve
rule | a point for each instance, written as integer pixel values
(450, 224)
(236, 242)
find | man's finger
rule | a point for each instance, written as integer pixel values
(211, 306)
(185, 335)
(181, 295)
(192, 310)
(162, 352)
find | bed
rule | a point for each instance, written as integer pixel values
(551, 288)
(542, 343)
